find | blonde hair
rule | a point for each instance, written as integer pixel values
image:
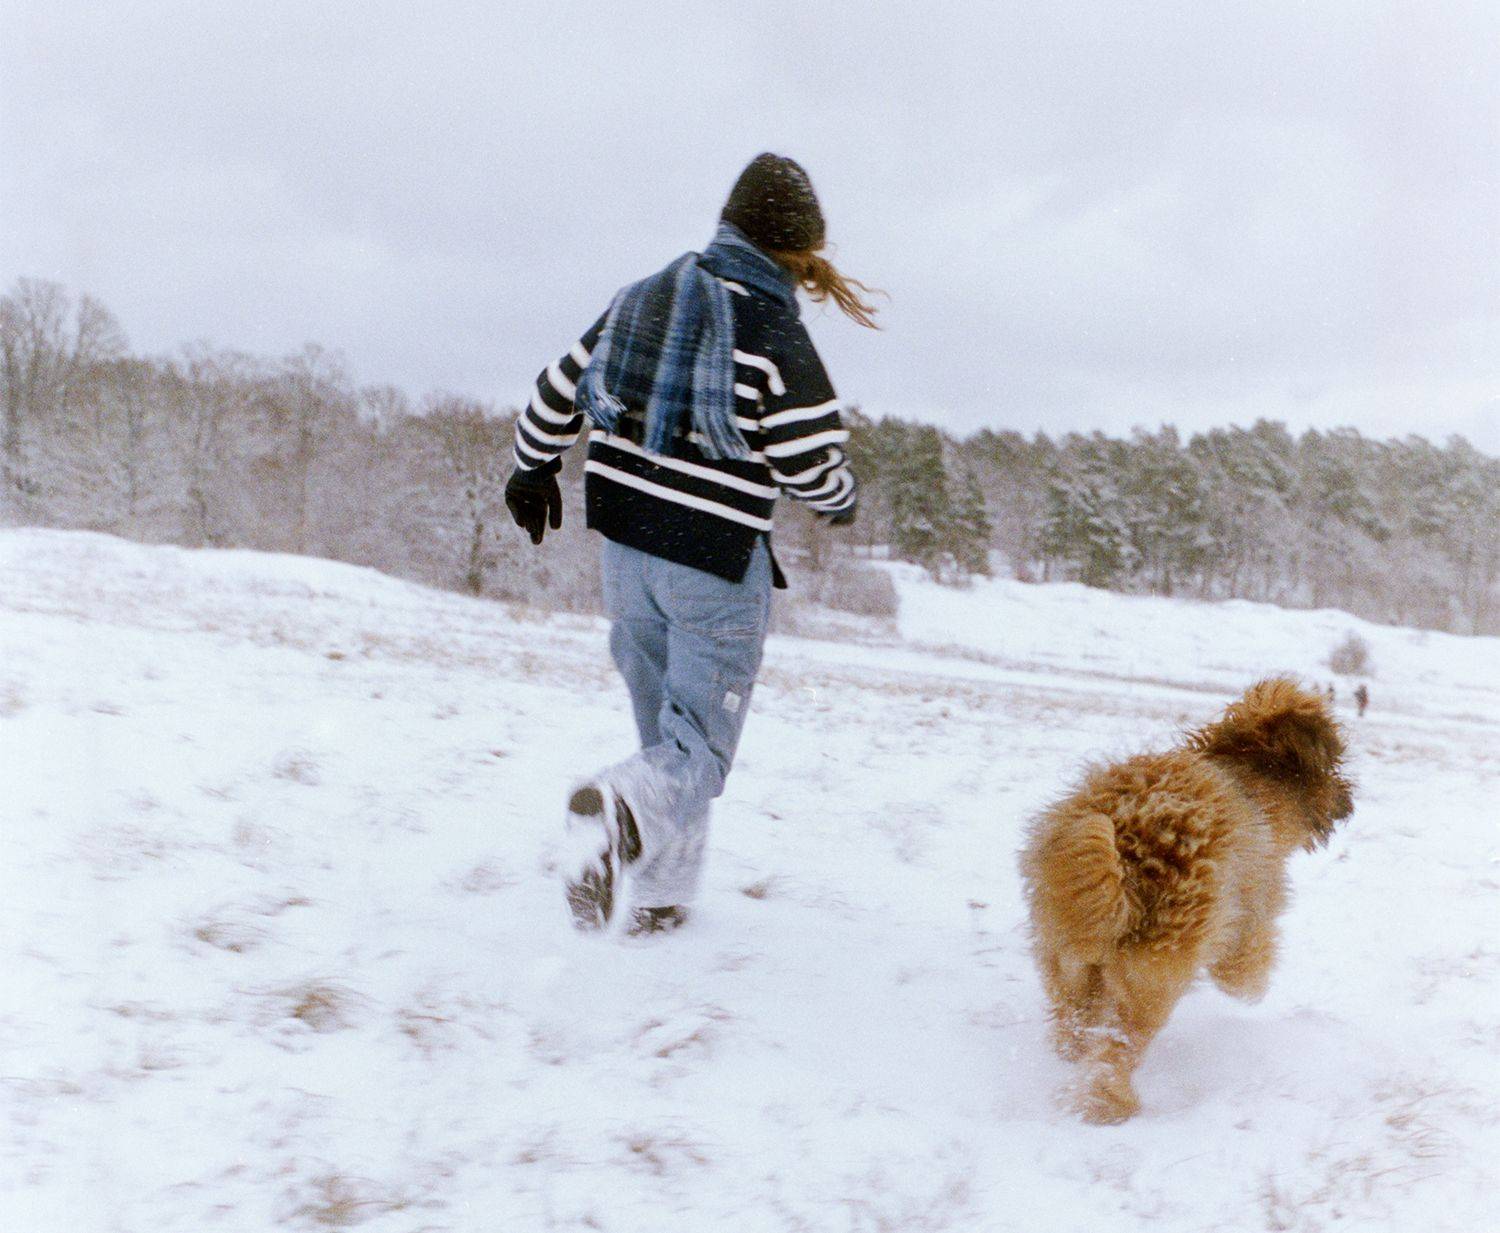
(818, 276)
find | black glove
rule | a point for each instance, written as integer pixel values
(844, 518)
(534, 499)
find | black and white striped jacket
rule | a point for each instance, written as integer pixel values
(702, 512)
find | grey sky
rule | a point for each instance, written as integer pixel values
(1087, 215)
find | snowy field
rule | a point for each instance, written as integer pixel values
(280, 948)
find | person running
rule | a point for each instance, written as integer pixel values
(704, 399)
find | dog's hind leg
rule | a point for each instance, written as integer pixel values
(1139, 995)
(1075, 999)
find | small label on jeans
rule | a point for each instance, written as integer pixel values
(732, 703)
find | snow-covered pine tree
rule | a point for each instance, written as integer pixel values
(969, 528)
(1339, 525)
(1084, 526)
(921, 510)
(875, 451)
(1012, 473)
(1248, 478)
(1161, 491)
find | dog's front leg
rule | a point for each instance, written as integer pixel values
(1245, 971)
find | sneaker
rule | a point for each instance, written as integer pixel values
(645, 921)
(604, 839)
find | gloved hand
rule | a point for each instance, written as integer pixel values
(534, 499)
(844, 518)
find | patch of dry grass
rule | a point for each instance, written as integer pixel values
(12, 699)
(659, 1153)
(321, 1005)
(337, 1201)
(236, 937)
(298, 766)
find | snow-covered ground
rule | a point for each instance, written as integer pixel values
(280, 949)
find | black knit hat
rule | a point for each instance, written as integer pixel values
(773, 203)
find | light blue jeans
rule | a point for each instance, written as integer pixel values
(689, 645)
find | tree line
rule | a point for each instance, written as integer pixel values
(1402, 531)
(214, 447)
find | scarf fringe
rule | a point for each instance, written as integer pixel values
(668, 347)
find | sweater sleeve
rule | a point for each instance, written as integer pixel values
(550, 424)
(802, 432)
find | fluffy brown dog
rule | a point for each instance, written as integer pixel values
(1167, 863)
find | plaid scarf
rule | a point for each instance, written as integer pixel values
(668, 347)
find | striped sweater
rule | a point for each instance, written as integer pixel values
(701, 512)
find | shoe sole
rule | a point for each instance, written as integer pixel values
(590, 888)
(649, 922)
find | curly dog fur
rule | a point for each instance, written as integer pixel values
(1164, 864)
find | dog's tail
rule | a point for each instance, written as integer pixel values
(1076, 884)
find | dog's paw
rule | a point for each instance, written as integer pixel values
(1239, 983)
(1106, 1102)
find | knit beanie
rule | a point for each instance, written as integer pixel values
(773, 203)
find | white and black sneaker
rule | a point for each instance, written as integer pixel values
(646, 921)
(603, 839)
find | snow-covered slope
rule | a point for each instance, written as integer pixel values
(280, 948)
(1079, 631)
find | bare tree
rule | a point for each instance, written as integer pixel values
(104, 454)
(473, 447)
(304, 405)
(50, 353)
(210, 398)
(383, 407)
(33, 327)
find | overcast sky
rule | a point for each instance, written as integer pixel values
(1086, 215)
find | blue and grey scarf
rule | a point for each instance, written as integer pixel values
(668, 347)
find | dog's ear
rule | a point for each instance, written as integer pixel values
(1278, 728)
